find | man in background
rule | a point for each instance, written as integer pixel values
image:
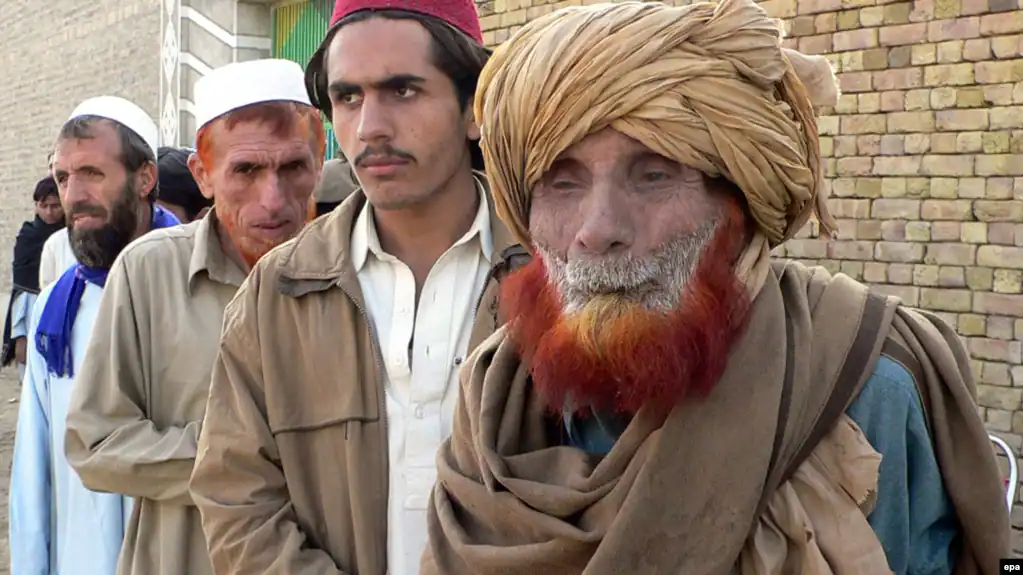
(105, 168)
(179, 193)
(28, 248)
(337, 182)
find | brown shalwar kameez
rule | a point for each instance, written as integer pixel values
(135, 415)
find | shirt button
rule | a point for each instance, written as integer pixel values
(403, 310)
(396, 361)
(420, 412)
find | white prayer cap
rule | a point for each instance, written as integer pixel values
(123, 112)
(245, 83)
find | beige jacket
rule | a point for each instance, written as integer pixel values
(134, 419)
(291, 477)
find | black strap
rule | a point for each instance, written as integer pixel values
(855, 372)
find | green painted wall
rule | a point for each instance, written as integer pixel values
(298, 30)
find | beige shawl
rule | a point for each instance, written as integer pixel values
(681, 495)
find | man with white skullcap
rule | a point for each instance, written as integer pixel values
(134, 420)
(104, 164)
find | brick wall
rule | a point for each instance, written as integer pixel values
(924, 163)
(54, 54)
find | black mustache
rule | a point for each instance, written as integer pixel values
(87, 210)
(384, 152)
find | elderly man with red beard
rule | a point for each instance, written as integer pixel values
(664, 398)
(135, 417)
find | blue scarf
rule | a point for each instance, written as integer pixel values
(53, 334)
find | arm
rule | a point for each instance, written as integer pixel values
(238, 483)
(48, 262)
(913, 516)
(110, 441)
(32, 485)
(21, 310)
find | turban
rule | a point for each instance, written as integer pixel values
(706, 85)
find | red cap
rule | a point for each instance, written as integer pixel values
(458, 13)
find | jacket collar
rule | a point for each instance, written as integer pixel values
(321, 255)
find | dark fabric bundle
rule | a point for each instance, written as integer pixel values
(28, 248)
(177, 186)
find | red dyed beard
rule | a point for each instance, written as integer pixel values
(617, 355)
(252, 249)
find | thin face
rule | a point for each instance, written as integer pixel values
(101, 199)
(90, 176)
(610, 215)
(396, 115)
(261, 182)
(50, 210)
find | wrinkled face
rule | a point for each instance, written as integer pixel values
(261, 181)
(613, 217)
(101, 198)
(49, 209)
(633, 300)
(396, 115)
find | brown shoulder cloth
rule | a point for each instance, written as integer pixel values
(680, 495)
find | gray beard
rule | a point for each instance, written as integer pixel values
(655, 282)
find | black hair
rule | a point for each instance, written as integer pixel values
(455, 54)
(45, 188)
(135, 152)
(177, 186)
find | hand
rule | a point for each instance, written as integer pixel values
(21, 350)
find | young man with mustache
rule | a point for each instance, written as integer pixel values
(134, 420)
(336, 378)
(105, 169)
(664, 398)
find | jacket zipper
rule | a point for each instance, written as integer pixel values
(381, 405)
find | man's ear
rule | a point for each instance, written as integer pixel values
(146, 180)
(200, 173)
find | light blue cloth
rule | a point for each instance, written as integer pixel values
(913, 517)
(21, 319)
(57, 526)
(21, 313)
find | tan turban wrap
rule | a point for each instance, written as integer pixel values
(706, 85)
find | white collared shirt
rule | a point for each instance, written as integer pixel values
(421, 394)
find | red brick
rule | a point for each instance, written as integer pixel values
(951, 254)
(923, 11)
(902, 252)
(851, 250)
(957, 29)
(854, 39)
(958, 165)
(898, 79)
(973, 7)
(977, 50)
(815, 44)
(893, 101)
(949, 75)
(1006, 23)
(956, 120)
(905, 34)
(855, 82)
(957, 210)
(998, 304)
(903, 122)
(815, 6)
